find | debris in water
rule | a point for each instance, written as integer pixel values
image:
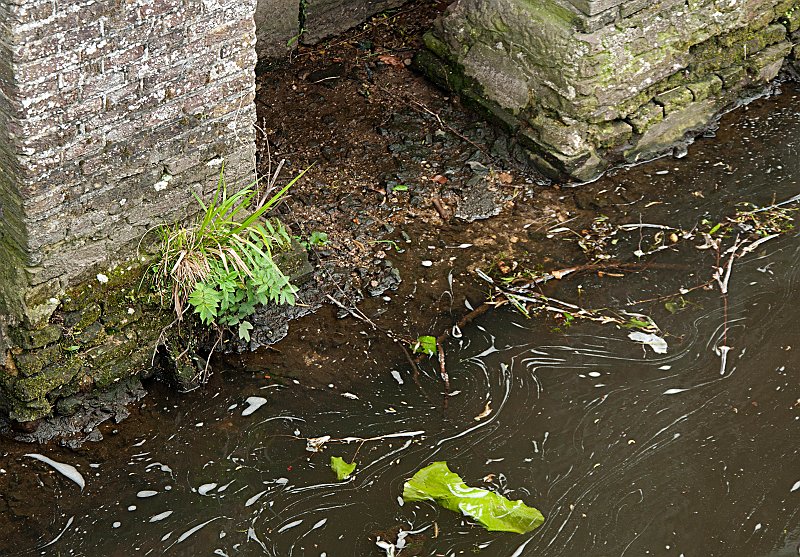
(494, 512)
(206, 488)
(486, 411)
(160, 516)
(674, 391)
(315, 444)
(342, 469)
(66, 470)
(253, 404)
(658, 344)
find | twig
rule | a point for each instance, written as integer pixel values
(442, 369)
(437, 204)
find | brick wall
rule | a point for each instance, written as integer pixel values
(111, 113)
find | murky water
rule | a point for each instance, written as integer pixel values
(625, 451)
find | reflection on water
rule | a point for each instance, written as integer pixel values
(625, 451)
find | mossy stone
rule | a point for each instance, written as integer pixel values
(30, 339)
(31, 363)
(82, 318)
(37, 387)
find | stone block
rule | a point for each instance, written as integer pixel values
(645, 117)
(706, 88)
(675, 99)
(99, 101)
(733, 77)
(594, 7)
(325, 18)
(277, 27)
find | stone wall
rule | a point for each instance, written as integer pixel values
(282, 24)
(587, 83)
(111, 114)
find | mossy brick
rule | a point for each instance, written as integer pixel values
(733, 77)
(37, 387)
(706, 88)
(82, 318)
(118, 317)
(646, 117)
(791, 19)
(28, 339)
(68, 406)
(31, 362)
(609, 135)
(28, 411)
(675, 99)
(93, 335)
(764, 66)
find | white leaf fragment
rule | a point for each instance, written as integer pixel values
(67, 470)
(160, 516)
(314, 444)
(658, 344)
(206, 488)
(253, 404)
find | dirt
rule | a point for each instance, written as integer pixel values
(403, 180)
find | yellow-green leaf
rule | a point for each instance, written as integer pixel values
(492, 511)
(343, 469)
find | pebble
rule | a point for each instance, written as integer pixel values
(427, 263)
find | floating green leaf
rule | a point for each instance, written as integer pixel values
(425, 345)
(343, 469)
(494, 512)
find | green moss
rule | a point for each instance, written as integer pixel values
(31, 363)
(706, 88)
(37, 388)
(644, 118)
(675, 99)
(29, 339)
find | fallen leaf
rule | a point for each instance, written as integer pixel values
(492, 511)
(390, 60)
(486, 412)
(439, 179)
(341, 468)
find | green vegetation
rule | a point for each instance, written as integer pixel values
(425, 345)
(342, 469)
(221, 264)
(315, 239)
(494, 512)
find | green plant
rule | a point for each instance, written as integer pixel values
(317, 238)
(221, 263)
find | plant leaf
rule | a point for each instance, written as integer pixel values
(492, 511)
(244, 330)
(425, 345)
(343, 469)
